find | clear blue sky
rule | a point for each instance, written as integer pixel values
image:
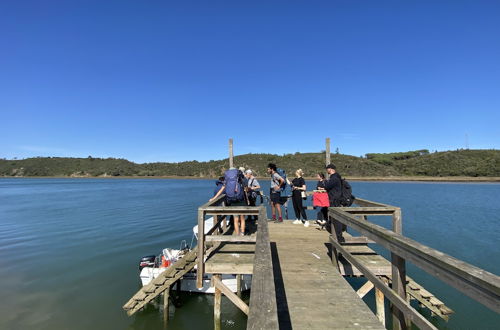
(173, 80)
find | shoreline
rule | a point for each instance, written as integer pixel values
(353, 178)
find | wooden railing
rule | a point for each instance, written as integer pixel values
(263, 307)
(214, 235)
(472, 281)
(262, 310)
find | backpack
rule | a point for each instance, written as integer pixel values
(234, 188)
(346, 197)
(281, 172)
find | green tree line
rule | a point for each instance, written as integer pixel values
(470, 163)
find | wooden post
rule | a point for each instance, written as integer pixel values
(238, 285)
(398, 275)
(327, 151)
(231, 162)
(178, 293)
(217, 303)
(334, 238)
(379, 301)
(201, 248)
(166, 295)
(397, 225)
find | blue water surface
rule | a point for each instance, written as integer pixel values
(69, 248)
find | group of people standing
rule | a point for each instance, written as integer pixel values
(242, 189)
(332, 186)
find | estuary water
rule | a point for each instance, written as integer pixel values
(69, 248)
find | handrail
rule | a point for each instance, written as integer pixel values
(263, 307)
(477, 283)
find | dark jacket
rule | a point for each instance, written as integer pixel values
(334, 188)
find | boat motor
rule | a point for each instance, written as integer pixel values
(147, 261)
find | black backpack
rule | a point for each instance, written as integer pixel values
(346, 198)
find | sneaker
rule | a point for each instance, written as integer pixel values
(306, 224)
(321, 222)
(297, 222)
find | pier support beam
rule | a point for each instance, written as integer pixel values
(367, 287)
(379, 302)
(398, 276)
(217, 303)
(166, 305)
(238, 285)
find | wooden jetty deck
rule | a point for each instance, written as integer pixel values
(298, 272)
(311, 294)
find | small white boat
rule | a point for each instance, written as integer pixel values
(151, 266)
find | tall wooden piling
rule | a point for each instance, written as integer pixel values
(217, 303)
(166, 295)
(231, 161)
(327, 150)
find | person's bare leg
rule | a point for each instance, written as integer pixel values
(279, 211)
(242, 223)
(236, 224)
(273, 211)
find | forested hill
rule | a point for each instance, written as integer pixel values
(470, 163)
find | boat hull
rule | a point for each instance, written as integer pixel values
(188, 281)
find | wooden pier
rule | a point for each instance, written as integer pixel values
(298, 273)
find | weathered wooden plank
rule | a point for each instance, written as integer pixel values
(263, 309)
(230, 238)
(359, 249)
(477, 283)
(312, 294)
(367, 287)
(366, 203)
(230, 295)
(375, 210)
(380, 307)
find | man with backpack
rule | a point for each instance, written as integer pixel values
(235, 196)
(339, 193)
(278, 183)
(333, 185)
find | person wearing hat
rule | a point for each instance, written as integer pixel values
(333, 185)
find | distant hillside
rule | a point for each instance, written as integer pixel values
(470, 163)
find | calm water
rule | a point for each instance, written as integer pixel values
(69, 248)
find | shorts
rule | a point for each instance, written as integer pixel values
(239, 203)
(276, 198)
